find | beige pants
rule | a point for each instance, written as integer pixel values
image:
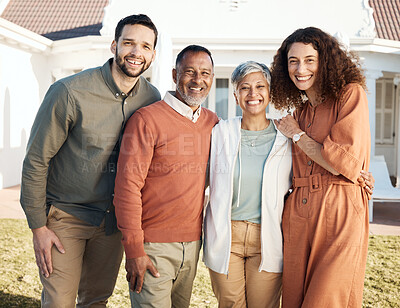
(88, 268)
(177, 264)
(245, 286)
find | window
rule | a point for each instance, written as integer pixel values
(238, 110)
(385, 112)
(222, 97)
(205, 103)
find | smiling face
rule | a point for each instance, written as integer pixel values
(252, 94)
(193, 77)
(134, 51)
(303, 67)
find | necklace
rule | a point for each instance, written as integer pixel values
(251, 139)
(251, 136)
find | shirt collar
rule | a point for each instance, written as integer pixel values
(109, 80)
(181, 107)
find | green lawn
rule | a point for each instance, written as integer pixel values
(20, 285)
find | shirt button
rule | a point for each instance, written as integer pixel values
(309, 162)
(123, 94)
(309, 124)
(125, 103)
(304, 201)
(108, 211)
(116, 94)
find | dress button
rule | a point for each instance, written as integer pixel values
(309, 124)
(304, 201)
(309, 162)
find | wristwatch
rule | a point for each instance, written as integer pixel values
(296, 137)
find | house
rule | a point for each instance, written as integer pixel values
(44, 40)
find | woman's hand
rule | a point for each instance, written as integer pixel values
(288, 126)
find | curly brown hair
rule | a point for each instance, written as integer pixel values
(336, 68)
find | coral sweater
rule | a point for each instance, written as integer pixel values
(159, 188)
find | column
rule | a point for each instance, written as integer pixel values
(59, 73)
(396, 81)
(371, 77)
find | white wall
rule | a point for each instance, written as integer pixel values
(79, 53)
(24, 78)
(251, 18)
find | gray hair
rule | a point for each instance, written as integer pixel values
(245, 68)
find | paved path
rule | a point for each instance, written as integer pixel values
(9, 203)
(386, 215)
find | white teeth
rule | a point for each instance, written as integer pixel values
(195, 89)
(303, 78)
(134, 62)
(253, 102)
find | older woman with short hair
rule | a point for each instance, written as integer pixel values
(250, 168)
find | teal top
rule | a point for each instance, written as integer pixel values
(249, 167)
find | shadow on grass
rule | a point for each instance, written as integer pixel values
(17, 301)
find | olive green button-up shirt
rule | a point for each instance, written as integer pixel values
(73, 148)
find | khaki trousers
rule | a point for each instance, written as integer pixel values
(177, 264)
(245, 286)
(88, 268)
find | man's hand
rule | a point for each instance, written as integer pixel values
(43, 240)
(136, 268)
(367, 181)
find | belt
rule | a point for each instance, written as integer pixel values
(315, 181)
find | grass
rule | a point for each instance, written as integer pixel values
(20, 286)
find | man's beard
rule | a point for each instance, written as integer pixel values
(189, 100)
(121, 64)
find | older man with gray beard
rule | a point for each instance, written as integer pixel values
(160, 182)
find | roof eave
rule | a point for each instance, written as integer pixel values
(25, 39)
(256, 44)
(375, 45)
(90, 42)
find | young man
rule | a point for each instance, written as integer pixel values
(70, 164)
(160, 182)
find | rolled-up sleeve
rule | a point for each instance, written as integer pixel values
(346, 145)
(49, 132)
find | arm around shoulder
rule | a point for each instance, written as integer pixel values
(133, 164)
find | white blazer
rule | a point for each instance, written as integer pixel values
(225, 145)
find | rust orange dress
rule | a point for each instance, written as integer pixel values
(325, 220)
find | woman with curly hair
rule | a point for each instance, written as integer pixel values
(325, 220)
